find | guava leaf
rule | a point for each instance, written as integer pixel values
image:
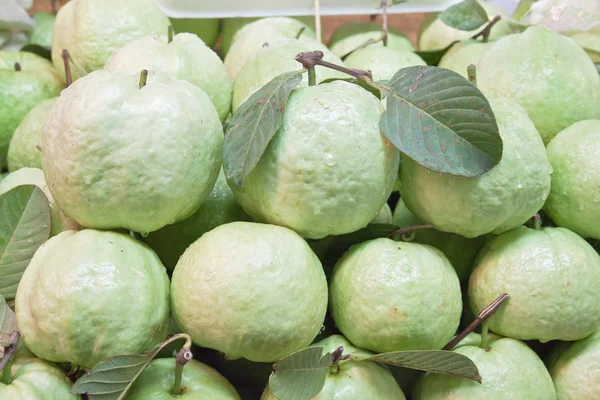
(441, 120)
(433, 57)
(301, 375)
(253, 125)
(467, 15)
(24, 226)
(373, 90)
(522, 9)
(14, 16)
(41, 51)
(437, 361)
(8, 326)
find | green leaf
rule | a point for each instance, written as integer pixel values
(24, 226)
(41, 51)
(253, 125)
(433, 57)
(8, 325)
(442, 121)
(301, 375)
(437, 361)
(467, 15)
(373, 90)
(523, 9)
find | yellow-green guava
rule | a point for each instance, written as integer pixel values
(36, 379)
(352, 34)
(383, 62)
(463, 54)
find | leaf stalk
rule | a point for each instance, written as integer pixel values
(485, 33)
(310, 59)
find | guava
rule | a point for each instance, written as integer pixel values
(186, 58)
(552, 277)
(352, 34)
(140, 158)
(92, 30)
(436, 35)
(549, 75)
(459, 250)
(590, 42)
(271, 61)
(574, 200)
(575, 368)
(35, 176)
(353, 380)
(22, 89)
(42, 31)
(198, 382)
(501, 199)
(250, 290)
(384, 216)
(256, 35)
(508, 369)
(463, 54)
(219, 208)
(329, 180)
(392, 296)
(36, 379)
(206, 29)
(383, 62)
(24, 150)
(90, 295)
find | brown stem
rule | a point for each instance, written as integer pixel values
(404, 231)
(53, 6)
(67, 64)
(11, 351)
(385, 22)
(483, 315)
(485, 33)
(181, 358)
(310, 59)
(537, 222)
(17, 67)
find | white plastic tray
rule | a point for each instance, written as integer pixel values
(264, 8)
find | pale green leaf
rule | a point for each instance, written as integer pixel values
(301, 375)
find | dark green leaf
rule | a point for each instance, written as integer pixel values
(433, 57)
(41, 51)
(253, 125)
(442, 121)
(301, 375)
(24, 226)
(467, 15)
(374, 91)
(437, 361)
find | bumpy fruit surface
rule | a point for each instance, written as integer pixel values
(36, 379)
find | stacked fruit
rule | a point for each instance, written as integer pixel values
(160, 194)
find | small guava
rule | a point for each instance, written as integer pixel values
(353, 34)
(383, 62)
(384, 216)
(463, 54)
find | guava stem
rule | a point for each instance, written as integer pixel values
(486, 313)
(384, 13)
(170, 33)
(7, 361)
(300, 32)
(485, 345)
(410, 229)
(472, 74)
(53, 6)
(17, 67)
(310, 59)
(181, 358)
(537, 222)
(67, 64)
(143, 78)
(312, 77)
(485, 33)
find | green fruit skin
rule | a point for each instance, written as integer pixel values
(574, 200)
(42, 31)
(206, 29)
(552, 277)
(218, 209)
(575, 368)
(141, 158)
(392, 296)
(198, 382)
(356, 380)
(23, 151)
(497, 201)
(459, 250)
(22, 90)
(303, 182)
(590, 43)
(463, 54)
(548, 74)
(384, 216)
(92, 30)
(271, 61)
(509, 370)
(250, 290)
(185, 57)
(36, 379)
(90, 295)
(353, 34)
(383, 62)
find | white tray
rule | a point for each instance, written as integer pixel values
(264, 8)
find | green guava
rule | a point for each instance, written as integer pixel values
(90, 295)
(352, 34)
(463, 54)
(141, 158)
(206, 29)
(36, 379)
(590, 42)
(574, 200)
(383, 62)
(552, 277)
(42, 31)
(384, 216)
(250, 290)
(327, 181)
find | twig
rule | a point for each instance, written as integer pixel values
(485, 33)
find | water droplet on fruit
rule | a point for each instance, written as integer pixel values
(518, 155)
(329, 160)
(304, 110)
(519, 185)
